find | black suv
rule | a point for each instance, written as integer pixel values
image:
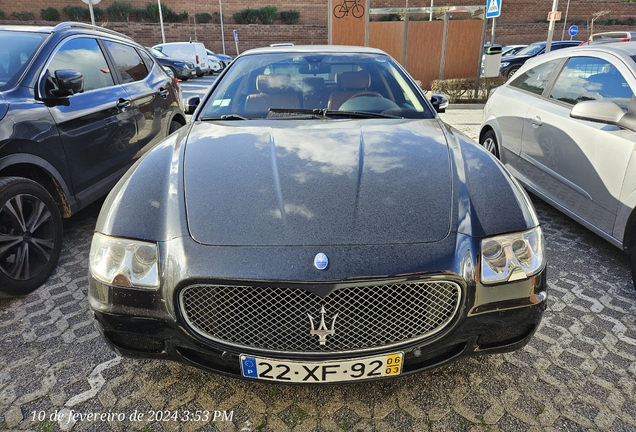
(510, 65)
(79, 105)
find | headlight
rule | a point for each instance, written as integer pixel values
(503, 64)
(122, 262)
(512, 257)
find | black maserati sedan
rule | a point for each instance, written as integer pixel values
(317, 222)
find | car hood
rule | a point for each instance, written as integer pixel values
(331, 182)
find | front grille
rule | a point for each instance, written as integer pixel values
(277, 318)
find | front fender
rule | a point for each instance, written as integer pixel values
(490, 200)
(147, 202)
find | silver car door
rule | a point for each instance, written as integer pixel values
(580, 165)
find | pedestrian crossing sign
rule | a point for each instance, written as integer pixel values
(493, 10)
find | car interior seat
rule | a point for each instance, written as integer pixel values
(274, 91)
(350, 84)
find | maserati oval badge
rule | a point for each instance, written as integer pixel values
(321, 261)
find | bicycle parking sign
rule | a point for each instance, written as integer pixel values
(343, 9)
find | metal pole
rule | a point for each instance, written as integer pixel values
(444, 39)
(222, 33)
(481, 45)
(430, 16)
(492, 33)
(90, 7)
(163, 33)
(567, 8)
(366, 25)
(329, 22)
(548, 44)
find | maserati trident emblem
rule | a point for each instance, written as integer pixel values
(321, 261)
(322, 332)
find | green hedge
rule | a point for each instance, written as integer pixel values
(466, 89)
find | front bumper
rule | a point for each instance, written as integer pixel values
(494, 327)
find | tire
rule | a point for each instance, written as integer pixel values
(489, 142)
(513, 71)
(174, 126)
(30, 236)
(633, 262)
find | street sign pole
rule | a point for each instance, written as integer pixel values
(493, 10)
(548, 43)
(236, 41)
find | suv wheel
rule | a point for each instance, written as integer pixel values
(513, 71)
(30, 236)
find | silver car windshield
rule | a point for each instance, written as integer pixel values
(298, 83)
(16, 51)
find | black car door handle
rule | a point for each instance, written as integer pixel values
(123, 104)
(163, 93)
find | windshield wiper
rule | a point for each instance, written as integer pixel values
(325, 113)
(225, 117)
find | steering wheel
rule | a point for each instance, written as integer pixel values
(365, 93)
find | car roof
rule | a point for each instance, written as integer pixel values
(340, 49)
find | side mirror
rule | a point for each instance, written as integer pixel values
(440, 102)
(69, 82)
(191, 104)
(606, 111)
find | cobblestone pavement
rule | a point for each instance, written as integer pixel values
(578, 373)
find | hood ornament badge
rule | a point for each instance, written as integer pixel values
(322, 332)
(321, 261)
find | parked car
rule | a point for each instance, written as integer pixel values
(317, 222)
(225, 60)
(510, 64)
(510, 50)
(608, 37)
(215, 65)
(564, 128)
(79, 104)
(193, 52)
(181, 69)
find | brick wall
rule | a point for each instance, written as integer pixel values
(521, 21)
(316, 12)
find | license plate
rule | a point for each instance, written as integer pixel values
(321, 372)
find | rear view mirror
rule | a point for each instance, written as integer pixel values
(606, 111)
(314, 68)
(440, 102)
(191, 104)
(69, 82)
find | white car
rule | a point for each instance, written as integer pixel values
(565, 127)
(188, 51)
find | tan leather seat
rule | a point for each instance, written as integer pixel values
(349, 84)
(274, 91)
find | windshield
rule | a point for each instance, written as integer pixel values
(16, 50)
(298, 83)
(531, 50)
(156, 53)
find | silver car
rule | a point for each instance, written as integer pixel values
(565, 127)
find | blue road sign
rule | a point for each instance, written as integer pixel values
(493, 8)
(235, 36)
(573, 30)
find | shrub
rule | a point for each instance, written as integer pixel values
(473, 89)
(23, 16)
(119, 11)
(77, 13)
(2, 15)
(98, 13)
(268, 14)
(203, 17)
(290, 17)
(141, 14)
(390, 17)
(247, 16)
(152, 9)
(50, 14)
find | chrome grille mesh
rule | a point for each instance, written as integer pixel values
(276, 319)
